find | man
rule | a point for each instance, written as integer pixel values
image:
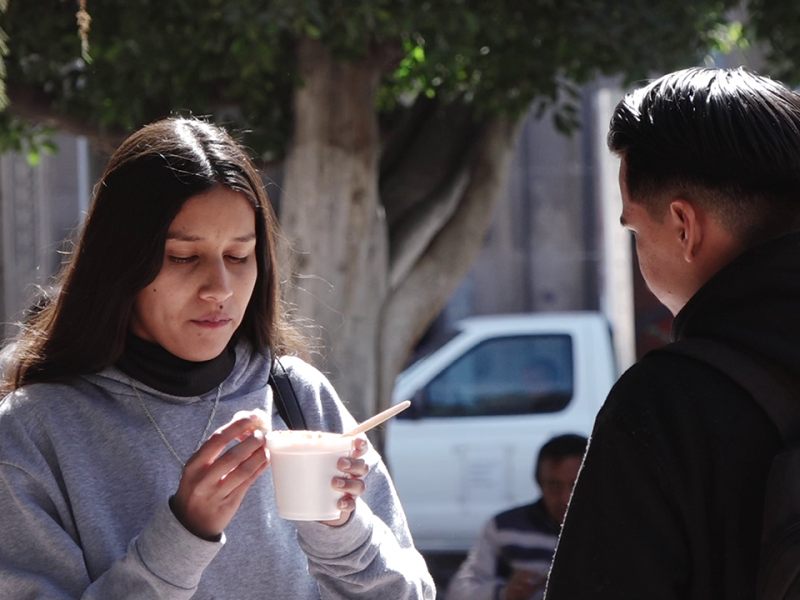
(669, 502)
(512, 556)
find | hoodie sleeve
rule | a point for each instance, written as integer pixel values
(372, 555)
(39, 558)
(164, 561)
(41, 554)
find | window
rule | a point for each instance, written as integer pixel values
(505, 376)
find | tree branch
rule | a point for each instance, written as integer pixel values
(420, 296)
(423, 154)
(411, 237)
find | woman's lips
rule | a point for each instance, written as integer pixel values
(212, 322)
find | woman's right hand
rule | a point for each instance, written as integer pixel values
(214, 483)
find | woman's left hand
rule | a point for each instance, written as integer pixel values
(352, 483)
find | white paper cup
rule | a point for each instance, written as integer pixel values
(303, 465)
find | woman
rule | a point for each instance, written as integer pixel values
(164, 330)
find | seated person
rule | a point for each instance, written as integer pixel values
(512, 556)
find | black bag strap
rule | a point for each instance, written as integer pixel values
(778, 393)
(774, 391)
(285, 397)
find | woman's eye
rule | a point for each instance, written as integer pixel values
(182, 259)
(237, 259)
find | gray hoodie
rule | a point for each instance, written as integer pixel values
(85, 481)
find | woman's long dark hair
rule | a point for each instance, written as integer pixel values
(121, 250)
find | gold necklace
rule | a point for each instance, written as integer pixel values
(161, 433)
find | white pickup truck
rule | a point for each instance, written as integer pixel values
(482, 406)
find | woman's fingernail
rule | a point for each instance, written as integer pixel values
(339, 482)
(347, 463)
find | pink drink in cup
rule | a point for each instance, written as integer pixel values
(303, 465)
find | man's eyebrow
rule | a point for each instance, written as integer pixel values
(182, 237)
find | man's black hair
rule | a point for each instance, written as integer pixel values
(726, 137)
(561, 447)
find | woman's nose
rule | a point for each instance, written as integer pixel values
(216, 285)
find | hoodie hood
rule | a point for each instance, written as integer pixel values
(753, 304)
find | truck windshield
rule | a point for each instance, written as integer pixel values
(505, 376)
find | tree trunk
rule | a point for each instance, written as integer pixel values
(331, 214)
(367, 309)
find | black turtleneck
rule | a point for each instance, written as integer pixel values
(154, 366)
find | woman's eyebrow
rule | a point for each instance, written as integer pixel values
(186, 237)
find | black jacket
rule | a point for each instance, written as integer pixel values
(669, 501)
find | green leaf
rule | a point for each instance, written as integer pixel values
(313, 31)
(239, 56)
(34, 157)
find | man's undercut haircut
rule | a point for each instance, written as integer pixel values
(728, 139)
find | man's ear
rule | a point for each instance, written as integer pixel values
(688, 227)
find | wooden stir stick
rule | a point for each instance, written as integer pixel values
(382, 416)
